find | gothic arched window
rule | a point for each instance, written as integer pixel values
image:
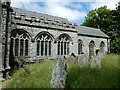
(44, 44)
(80, 45)
(19, 43)
(91, 49)
(102, 45)
(63, 44)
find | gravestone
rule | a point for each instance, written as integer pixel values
(96, 61)
(71, 60)
(82, 60)
(59, 74)
(99, 58)
(93, 62)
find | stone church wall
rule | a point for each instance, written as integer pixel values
(36, 27)
(86, 40)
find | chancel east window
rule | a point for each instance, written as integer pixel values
(80, 45)
(44, 45)
(63, 45)
(19, 43)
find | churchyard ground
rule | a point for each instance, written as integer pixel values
(105, 77)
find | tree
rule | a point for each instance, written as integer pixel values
(108, 21)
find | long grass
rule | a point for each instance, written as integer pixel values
(106, 77)
(40, 78)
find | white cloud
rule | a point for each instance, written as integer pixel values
(62, 8)
(52, 8)
(110, 4)
(58, 9)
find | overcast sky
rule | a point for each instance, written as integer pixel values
(74, 10)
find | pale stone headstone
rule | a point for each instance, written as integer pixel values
(96, 61)
(71, 60)
(59, 74)
(99, 58)
(93, 62)
(82, 60)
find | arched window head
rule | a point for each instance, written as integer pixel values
(19, 43)
(63, 42)
(102, 46)
(44, 37)
(80, 46)
(43, 44)
(91, 49)
(64, 38)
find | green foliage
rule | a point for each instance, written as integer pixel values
(40, 78)
(108, 21)
(106, 77)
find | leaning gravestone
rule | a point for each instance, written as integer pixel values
(82, 60)
(59, 74)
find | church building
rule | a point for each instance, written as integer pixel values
(37, 36)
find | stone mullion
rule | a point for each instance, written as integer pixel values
(48, 48)
(63, 48)
(60, 49)
(28, 47)
(24, 47)
(19, 47)
(44, 49)
(57, 48)
(40, 48)
(42, 43)
(66, 48)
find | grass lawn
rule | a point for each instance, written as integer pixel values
(106, 77)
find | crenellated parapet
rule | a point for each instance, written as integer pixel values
(41, 21)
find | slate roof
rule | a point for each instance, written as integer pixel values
(29, 14)
(88, 31)
(82, 30)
